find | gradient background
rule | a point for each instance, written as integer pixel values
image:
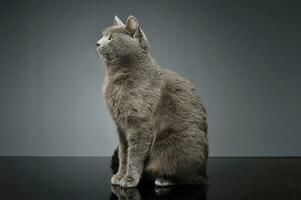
(243, 56)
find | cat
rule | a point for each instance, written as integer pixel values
(160, 118)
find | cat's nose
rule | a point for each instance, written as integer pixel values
(97, 45)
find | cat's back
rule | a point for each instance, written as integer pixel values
(180, 87)
(180, 103)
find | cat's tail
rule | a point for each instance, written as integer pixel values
(115, 161)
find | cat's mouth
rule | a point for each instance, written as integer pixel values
(101, 50)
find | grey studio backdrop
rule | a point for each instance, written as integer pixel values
(243, 56)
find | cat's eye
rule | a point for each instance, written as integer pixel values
(111, 37)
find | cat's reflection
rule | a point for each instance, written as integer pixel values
(158, 193)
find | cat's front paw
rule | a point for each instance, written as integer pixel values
(129, 181)
(116, 178)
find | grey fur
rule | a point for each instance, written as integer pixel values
(160, 118)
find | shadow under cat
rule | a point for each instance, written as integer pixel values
(146, 192)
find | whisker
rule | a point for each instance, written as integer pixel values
(91, 56)
(102, 26)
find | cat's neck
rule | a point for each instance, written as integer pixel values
(136, 64)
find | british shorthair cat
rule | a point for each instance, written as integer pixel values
(160, 118)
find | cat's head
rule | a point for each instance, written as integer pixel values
(123, 40)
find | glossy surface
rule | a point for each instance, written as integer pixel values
(30, 178)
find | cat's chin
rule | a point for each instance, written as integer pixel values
(103, 54)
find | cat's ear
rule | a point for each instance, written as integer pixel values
(132, 25)
(117, 21)
(142, 39)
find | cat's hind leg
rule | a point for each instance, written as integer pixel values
(182, 157)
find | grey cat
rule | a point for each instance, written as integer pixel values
(160, 118)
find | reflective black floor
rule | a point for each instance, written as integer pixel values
(31, 178)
